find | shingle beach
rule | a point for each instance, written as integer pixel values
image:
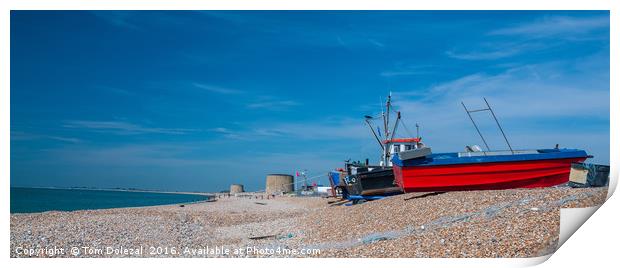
(505, 223)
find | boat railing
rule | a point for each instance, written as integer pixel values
(496, 153)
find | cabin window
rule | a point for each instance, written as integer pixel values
(407, 147)
(396, 148)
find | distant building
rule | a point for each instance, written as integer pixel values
(236, 188)
(279, 183)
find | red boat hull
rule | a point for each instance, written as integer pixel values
(484, 176)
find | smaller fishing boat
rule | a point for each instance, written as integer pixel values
(366, 181)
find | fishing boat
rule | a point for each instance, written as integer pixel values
(364, 181)
(370, 181)
(484, 170)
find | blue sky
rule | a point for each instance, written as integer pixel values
(190, 100)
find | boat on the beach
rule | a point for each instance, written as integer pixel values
(417, 171)
(486, 170)
(364, 181)
(370, 181)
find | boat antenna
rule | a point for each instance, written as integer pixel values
(417, 130)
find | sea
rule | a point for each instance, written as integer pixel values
(30, 200)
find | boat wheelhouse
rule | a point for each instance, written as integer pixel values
(397, 145)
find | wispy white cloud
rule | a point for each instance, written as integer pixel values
(133, 155)
(220, 130)
(320, 129)
(218, 89)
(116, 90)
(273, 104)
(19, 136)
(140, 20)
(409, 70)
(117, 18)
(498, 53)
(552, 26)
(376, 43)
(126, 163)
(229, 16)
(324, 129)
(302, 32)
(401, 73)
(65, 139)
(340, 41)
(244, 134)
(122, 128)
(251, 99)
(542, 34)
(523, 98)
(499, 50)
(228, 133)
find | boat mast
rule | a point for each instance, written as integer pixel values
(387, 118)
(386, 123)
(395, 125)
(476, 126)
(383, 145)
(500, 127)
(388, 136)
(469, 112)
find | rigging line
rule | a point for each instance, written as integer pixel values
(375, 117)
(406, 128)
(304, 180)
(312, 177)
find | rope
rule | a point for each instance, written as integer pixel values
(406, 128)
